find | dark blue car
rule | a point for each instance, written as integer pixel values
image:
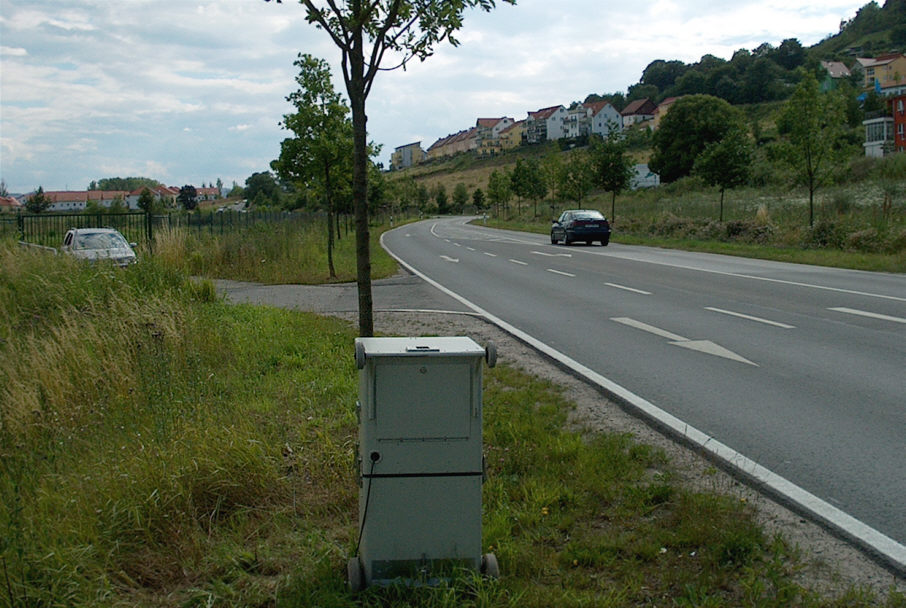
(587, 225)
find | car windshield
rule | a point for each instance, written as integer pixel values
(99, 240)
(588, 215)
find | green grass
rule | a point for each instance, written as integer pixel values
(853, 228)
(159, 447)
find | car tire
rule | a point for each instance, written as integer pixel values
(566, 239)
(553, 239)
(604, 242)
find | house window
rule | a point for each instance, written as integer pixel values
(900, 106)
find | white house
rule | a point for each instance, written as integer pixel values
(545, 125)
(604, 118)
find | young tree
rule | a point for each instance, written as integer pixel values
(611, 166)
(188, 197)
(440, 197)
(478, 198)
(460, 197)
(365, 31)
(528, 181)
(576, 178)
(499, 190)
(37, 202)
(146, 200)
(320, 153)
(813, 124)
(726, 163)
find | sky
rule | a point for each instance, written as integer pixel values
(191, 91)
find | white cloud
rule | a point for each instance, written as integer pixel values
(195, 90)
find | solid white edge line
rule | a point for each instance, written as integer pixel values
(750, 318)
(880, 545)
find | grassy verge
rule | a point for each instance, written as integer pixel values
(160, 447)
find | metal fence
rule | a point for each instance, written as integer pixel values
(48, 229)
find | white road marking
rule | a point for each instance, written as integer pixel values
(651, 329)
(871, 315)
(520, 262)
(566, 274)
(449, 259)
(632, 289)
(750, 318)
(490, 255)
(710, 348)
(889, 549)
(702, 346)
(553, 255)
(886, 547)
(470, 248)
(457, 244)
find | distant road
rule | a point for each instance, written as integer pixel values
(798, 371)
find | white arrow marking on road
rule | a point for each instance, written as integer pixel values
(553, 255)
(710, 348)
(449, 259)
(702, 346)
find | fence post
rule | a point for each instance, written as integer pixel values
(20, 225)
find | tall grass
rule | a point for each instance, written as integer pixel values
(269, 253)
(160, 447)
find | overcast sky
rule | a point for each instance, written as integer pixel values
(189, 91)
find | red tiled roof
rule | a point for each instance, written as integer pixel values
(596, 106)
(8, 202)
(544, 113)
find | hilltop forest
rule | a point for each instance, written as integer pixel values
(769, 73)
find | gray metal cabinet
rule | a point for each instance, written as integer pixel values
(419, 458)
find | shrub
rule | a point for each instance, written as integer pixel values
(868, 241)
(825, 234)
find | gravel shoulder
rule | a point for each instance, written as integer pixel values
(407, 306)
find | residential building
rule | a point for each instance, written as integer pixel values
(545, 124)
(10, 204)
(661, 110)
(577, 122)
(488, 134)
(886, 74)
(898, 106)
(463, 141)
(879, 136)
(638, 111)
(511, 137)
(407, 156)
(75, 201)
(604, 118)
(835, 71)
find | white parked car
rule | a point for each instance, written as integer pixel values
(99, 244)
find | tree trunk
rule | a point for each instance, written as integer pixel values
(721, 204)
(356, 90)
(328, 187)
(613, 206)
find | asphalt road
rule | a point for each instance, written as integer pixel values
(800, 371)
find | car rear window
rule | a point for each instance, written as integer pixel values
(588, 215)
